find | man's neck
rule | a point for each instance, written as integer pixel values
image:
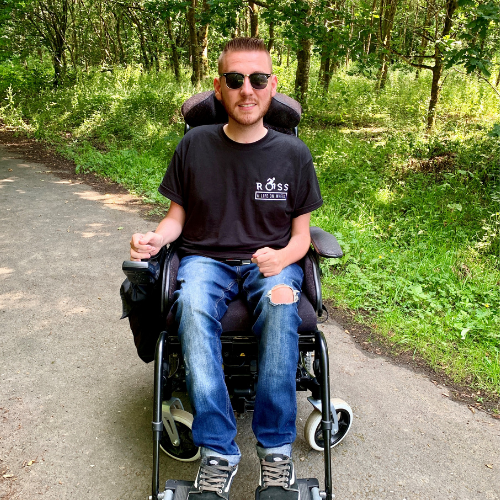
(245, 134)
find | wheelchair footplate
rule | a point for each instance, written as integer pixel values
(308, 489)
(178, 490)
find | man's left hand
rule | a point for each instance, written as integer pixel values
(270, 261)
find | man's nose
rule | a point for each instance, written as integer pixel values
(246, 88)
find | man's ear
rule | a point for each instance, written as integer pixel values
(217, 88)
(274, 85)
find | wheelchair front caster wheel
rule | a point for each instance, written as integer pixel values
(313, 432)
(187, 451)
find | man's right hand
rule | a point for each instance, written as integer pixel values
(144, 246)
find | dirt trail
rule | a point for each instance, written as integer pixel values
(76, 401)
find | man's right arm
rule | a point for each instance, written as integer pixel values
(143, 246)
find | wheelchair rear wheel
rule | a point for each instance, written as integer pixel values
(187, 451)
(313, 432)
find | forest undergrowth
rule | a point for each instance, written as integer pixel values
(417, 215)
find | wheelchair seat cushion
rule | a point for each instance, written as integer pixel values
(237, 318)
(309, 287)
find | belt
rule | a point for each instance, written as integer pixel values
(234, 262)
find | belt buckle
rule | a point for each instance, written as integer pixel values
(237, 262)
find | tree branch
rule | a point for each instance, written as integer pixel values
(261, 4)
(407, 59)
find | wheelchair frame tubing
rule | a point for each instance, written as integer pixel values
(157, 417)
(326, 423)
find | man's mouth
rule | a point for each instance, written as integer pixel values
(247, 105)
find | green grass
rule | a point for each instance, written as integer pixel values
(421, 249)
(418, 216)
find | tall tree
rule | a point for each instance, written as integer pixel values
(193, 43)
(49, 19)
(254, 19)
(386, 21)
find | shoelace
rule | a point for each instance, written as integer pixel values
(213, 477)
(276, 473)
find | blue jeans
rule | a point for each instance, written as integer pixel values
(206, 288)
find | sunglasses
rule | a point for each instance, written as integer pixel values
(257, 80)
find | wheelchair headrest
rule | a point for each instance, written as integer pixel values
(205, 109)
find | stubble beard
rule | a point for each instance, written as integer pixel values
(246, 120)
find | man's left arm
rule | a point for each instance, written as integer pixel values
(272, 262)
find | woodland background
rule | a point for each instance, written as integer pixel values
(401, 112)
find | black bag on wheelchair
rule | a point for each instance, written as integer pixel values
(141, 296)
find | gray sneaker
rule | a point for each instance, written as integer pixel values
(277, 478)
(213, 480)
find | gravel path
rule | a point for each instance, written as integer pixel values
(76, 401)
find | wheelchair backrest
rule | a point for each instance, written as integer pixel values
(205, 109)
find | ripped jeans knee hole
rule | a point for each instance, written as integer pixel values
(282, 294)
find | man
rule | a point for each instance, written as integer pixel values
(237, 238)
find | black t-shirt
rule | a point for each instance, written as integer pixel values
(239, 197)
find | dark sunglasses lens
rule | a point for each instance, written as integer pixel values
(234, 80)
(258, 81)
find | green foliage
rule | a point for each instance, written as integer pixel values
(417, 216)
(470, 50)
(495, 131)
(30, 78)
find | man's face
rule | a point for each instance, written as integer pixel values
(246, 105)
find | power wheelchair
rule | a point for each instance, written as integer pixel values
(331, 418)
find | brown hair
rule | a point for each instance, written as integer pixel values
(243, 44)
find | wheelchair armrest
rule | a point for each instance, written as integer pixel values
(148, 273)
(144, 272)
(311, 285)
(169, 277)
(325, 244)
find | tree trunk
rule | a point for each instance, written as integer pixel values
(110, 41)
(327, 75)
(254, 19)
(369, 40)
(173, 46)
(271, 36)
(498, 80)
(303, 67)
(144, 52)
(325, 68)
(57, 61)
(386, 21)
(193, 43)
(203, 51)
(142, 39)
(118, 19)
(351, 33)
(384, 70)
(412, 38)
(384, 73)
(203, 43)
(437, 70)
(74, 46)
(52, 23)
(423, 44)
(152, 42)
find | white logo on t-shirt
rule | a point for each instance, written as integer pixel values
(271, 191)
